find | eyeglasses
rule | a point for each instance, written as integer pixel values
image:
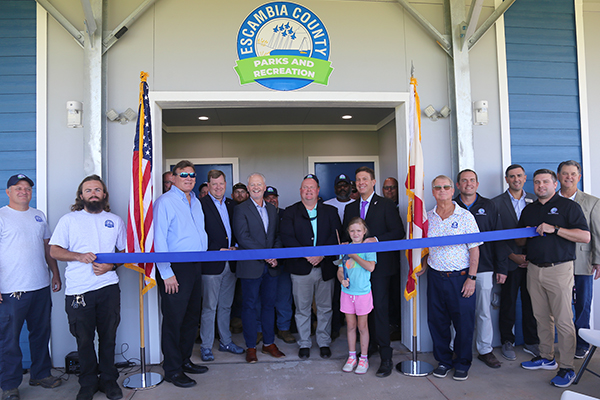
(445, 187)
(390, 187)
(186, 174)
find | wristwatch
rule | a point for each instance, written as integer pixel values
(556, 228)
(473, 277)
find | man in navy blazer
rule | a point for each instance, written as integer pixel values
(310, 223)
(256, 226)
(384, 223)
(218, 277)
(509, 205)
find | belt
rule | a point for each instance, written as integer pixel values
(547, 265)
(448, 274)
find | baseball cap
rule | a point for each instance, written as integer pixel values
(13, 180)
(341, 178)
(270, 190)
(312, 176)
(239, 185)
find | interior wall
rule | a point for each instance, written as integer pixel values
(281, 156)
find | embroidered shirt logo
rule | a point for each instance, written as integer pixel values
(109, 224)
(553, 211)
(454, 225)
(39, 219)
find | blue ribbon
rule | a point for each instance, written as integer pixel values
(295, 252)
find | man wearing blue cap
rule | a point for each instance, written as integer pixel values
(25, 289)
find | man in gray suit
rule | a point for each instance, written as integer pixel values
(256, 226)
(509, 205)
(587, 263)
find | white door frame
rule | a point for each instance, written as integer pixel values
(160, 100)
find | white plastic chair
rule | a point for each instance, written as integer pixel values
(568, 395)
(591, 336)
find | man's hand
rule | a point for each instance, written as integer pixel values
(86, 258)
(0, 298)
(272, 262)
(596, 268)
(544, 228)
(371, 240)
(314, 260)
(519, 259)
(56, 283)
(468, 288)
(500, 278)
(171, 285)
(101, 269)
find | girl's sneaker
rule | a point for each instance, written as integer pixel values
(363, 366)
(350, 364)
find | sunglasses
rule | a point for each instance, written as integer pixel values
(186, 174)
(445, 187)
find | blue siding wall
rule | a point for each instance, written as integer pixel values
(17, 91)
(542, 84)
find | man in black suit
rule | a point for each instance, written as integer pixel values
(509, 205)
(384, 223)
(218, 277)
(311, 223)
(256, 226)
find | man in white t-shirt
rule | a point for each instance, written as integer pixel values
(93, 297)
(342, 188)
(25, 289)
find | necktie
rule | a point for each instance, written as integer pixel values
(363, 207)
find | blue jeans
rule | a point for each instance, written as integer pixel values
(446, 306)
(33, 307)
(584, 287)
(283, 303)
(264, 288)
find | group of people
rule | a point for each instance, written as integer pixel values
(544, 269)
(563, 258)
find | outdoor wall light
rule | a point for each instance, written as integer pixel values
(434, 115)
(123, 118)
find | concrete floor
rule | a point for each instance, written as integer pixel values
(230, 377)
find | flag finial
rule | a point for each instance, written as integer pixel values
(143, 76)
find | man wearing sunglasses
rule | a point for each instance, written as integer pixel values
(451, 282)
(179, 226)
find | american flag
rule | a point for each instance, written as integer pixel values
(140, 228)
(417, 215)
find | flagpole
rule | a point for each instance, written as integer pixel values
(143, 380)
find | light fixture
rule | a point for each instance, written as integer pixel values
(203, 118)
(125, 117)
(346, 116)
(74, 114)
(434, 115)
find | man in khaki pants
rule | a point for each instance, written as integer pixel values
(560, 222)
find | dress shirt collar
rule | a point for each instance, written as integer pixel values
(572, 197)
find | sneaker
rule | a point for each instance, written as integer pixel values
(441, 371)
(564, 378)
(581, 352)
(533, 349)
(363, 366)
(350, 364)
(231, 348)
(206, 354)
(540, 363)
(508, 351)
(460, 375)
(49, 382)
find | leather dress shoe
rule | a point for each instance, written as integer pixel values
(303, 353)
(192, 368)
(490, 360)
(325, 352)
(111, 389)
(272, 350)
(180, 379)
(251, 356)
(86, 392)
(385, 369)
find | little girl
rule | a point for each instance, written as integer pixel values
(356, 301)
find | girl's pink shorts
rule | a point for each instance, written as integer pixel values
(359, 305)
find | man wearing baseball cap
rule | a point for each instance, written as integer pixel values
(343, 188)
(25, 284)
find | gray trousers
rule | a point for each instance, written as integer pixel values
(217, 297)
(304, 287)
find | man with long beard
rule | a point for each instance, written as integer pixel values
(93, 297)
